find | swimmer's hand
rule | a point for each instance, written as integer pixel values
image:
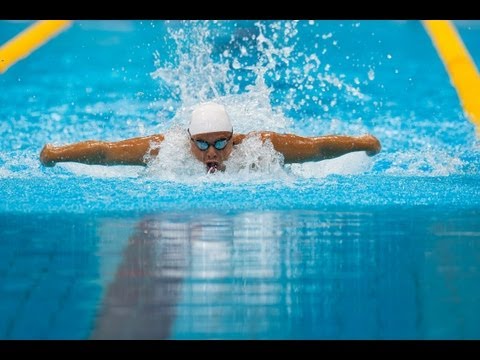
(372, 145)
(46, 156)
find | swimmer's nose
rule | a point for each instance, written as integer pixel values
(211, 153)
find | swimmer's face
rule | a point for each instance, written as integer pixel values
(212, 149)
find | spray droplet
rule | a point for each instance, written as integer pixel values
(371, 74)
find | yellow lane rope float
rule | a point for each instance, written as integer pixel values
(459, 64)
(29, 40)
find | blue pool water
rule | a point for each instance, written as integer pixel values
(386, 247)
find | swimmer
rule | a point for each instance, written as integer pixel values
(212, 141)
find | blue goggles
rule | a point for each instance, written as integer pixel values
(219, 144)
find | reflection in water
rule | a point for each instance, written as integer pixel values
(140, 303)
(294, 275)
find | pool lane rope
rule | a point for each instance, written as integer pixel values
(459, 64)
(29, 40)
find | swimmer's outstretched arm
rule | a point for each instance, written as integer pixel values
(125, 152)
(298, 149)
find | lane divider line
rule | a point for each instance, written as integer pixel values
(22, 45)
(460, 66)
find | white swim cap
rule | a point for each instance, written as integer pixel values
(209, 117)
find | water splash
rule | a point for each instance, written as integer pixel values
(243, 72)
(435, 162)
(252, 161)
(271, 75)
(260, 61)
(174, 160)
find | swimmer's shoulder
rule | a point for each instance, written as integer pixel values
(238, 138)
(264, 135)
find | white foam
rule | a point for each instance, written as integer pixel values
(434, 162)
(101, 171)
(19, 165)
(348, 164)
(4, 173)
(254, 159)
(175, 161)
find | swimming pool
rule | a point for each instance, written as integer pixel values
(352, 248)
